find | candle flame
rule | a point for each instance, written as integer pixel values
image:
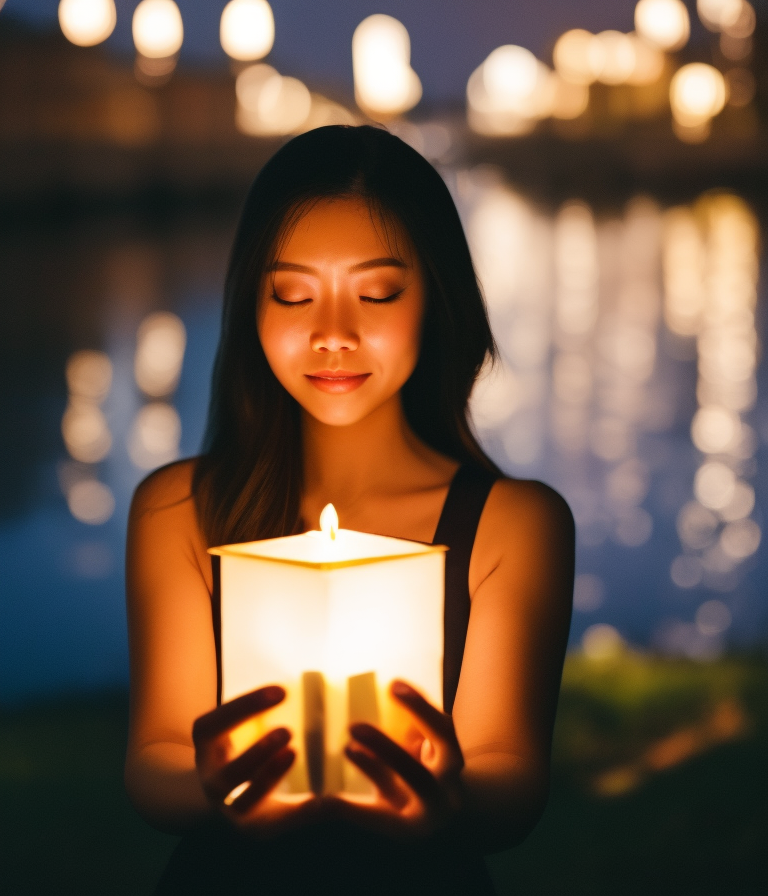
(329, 522)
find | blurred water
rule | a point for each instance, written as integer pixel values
(596, 395)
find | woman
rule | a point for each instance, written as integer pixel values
(353, 330)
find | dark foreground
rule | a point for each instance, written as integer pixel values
(659, 787)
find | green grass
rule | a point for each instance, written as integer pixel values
(659, 787)
(698, 827)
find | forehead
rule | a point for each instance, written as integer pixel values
(347, 228)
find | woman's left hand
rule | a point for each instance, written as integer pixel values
(418, 786)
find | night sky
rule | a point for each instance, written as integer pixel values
(449, 39)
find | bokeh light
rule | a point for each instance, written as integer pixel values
(715, 429)
(511, 90)
(720, 15)
(633, 527)
(696, 94)
(649, 62)
(683, 269)
(495, 396)
(86, 433)
(385, 83)
(741, 86)
(569, 100)
(716, 242)
(613, 57)
(713, 618)
(686, 571)
(740, 539)
(742, 25)
(510, 73)
(89, 375)
(158, 30)
(572, 377)
(714, 484)
(742, 502)
(87, 22)
(154, 72)
(602, 642)
(91, 502)
(574, 56)
(576, 266)
(664, 23)
(247, 29)
(627, 484)
(696, 525)
(155, 436)
(270, 104)
(160, 344)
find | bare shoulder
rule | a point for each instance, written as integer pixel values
(168, 488)
(515, 503)
(523, 520)
(163, 526)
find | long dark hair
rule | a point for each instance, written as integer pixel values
(248, 480)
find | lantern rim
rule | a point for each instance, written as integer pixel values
(249, 550)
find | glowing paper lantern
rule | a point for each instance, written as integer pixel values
(613, 57)
(385, 83)
(247, 29)
(696, 94)
(718, 15)
(575, 56)
(158, 31)
(664, 23)
(333, 616)
(160, 344)
(509, 92)
(269, 104)
(649, 62)
(87, 22)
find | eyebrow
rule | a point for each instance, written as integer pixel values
(387, 262)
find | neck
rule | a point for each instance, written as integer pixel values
(346, 464)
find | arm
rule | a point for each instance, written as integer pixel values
(487, 766)
(521, 581)
(181, 764)
(172, 654)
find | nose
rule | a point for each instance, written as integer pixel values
(335, 331)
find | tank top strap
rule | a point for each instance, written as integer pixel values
(456, 530)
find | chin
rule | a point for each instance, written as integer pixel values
(339, 410)
(335, 416)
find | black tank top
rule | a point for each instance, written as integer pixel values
(340, 859)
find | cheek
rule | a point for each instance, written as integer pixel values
(400, 340)
(282, 345)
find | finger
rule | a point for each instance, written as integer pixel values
(245, 766)
(265, 780)
(438, 724)
(383, 778)
(236, 711)
(399, 760)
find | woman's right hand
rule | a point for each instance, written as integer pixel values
(241, 787)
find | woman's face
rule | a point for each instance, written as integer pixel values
(339, 312)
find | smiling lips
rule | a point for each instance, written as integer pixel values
(337, 381)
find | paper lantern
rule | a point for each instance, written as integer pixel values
(333, 616)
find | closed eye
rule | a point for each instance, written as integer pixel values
(280, 301)
(392, 298)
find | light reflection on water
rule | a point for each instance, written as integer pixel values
(598, 317)
(629, 382)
